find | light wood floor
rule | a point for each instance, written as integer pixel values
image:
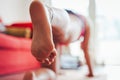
(101, 73)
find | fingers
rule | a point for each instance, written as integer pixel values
(50, 58)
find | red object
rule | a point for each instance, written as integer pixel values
(22, 25)
(15, 55)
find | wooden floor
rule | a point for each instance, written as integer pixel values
(80, 74)
(101, 73)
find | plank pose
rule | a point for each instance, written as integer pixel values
(52, 26)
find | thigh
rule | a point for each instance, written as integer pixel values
(70, 24)
(60, 19)
(75, 26)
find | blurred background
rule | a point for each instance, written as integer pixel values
(104, 15)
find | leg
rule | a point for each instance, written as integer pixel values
(42, 41)
(84, 46)
(42, 33)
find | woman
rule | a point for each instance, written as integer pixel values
(52, 26)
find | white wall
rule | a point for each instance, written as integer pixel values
(14, 10)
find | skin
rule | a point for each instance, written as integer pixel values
(40, 74)
(41, 34)
(84, 46)
(44, 32)
(47, 35)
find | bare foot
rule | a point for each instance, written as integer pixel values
(42, 42)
